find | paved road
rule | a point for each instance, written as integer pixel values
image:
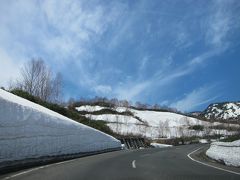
(150, 164)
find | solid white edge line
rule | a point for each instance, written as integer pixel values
(34, 169)
(134, 164)
(189, 156)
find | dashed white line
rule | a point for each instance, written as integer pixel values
(144, 155)
(34, 169)
(189, 156)
(134, 164)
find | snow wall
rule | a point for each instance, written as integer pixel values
(28, 130)
(227, 152)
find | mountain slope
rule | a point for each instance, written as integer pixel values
(223, 111)
(150, 123)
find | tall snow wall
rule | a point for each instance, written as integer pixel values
(28, 130)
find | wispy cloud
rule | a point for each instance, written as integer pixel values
(198, 60)
(220, 22)
(63, 33)
(216, 29)
(143, 63)
(165, 77)
(103, 89)
(217, 26)
(194, 99)
(132, 91)
(117, 48)
(9, 69)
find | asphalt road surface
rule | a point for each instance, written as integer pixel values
(150, 164)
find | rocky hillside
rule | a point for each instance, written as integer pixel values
(223, 111)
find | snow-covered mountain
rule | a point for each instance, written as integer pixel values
(28, 130)
(223, 111)
(150, 123)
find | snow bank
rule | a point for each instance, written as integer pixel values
(28, 130)
(227, 152)
(203, 141)
(158, 145)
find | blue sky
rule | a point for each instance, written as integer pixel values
(183, 54)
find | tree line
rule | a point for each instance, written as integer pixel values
(114, 102)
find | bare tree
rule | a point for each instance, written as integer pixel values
(57, 88)
(37, 79)
(167, 131)
(180, 131)
(118, 124)
(126, 119)
(114, 102)
(207, 131)
(71, 102)
(186, 131)
(141, 105)
(156, 106)
(143, 128)
(161, 128)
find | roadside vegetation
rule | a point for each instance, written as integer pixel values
(231, 138)
(197, 127)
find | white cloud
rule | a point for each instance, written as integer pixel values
(217, 27)
(66, 31)
(122, 34)
(183, 37)
(9, 69)
(195, 98)
(103, 89)
(220, 23)
(61, 32)
(143, 62)
(206, 56)
(164, 77)
(131, 90)
(72, 28)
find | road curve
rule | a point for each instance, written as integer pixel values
(150, 164)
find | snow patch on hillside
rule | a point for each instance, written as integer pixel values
(227, 152)
(114, 118)
(89, 108)
(28, 130)
(174, 120)
(154, 124)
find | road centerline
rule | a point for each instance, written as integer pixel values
(134, 164)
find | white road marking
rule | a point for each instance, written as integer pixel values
(189, 156)
(24, 172)
(134, 164)
(34, 169)
(144, 155)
